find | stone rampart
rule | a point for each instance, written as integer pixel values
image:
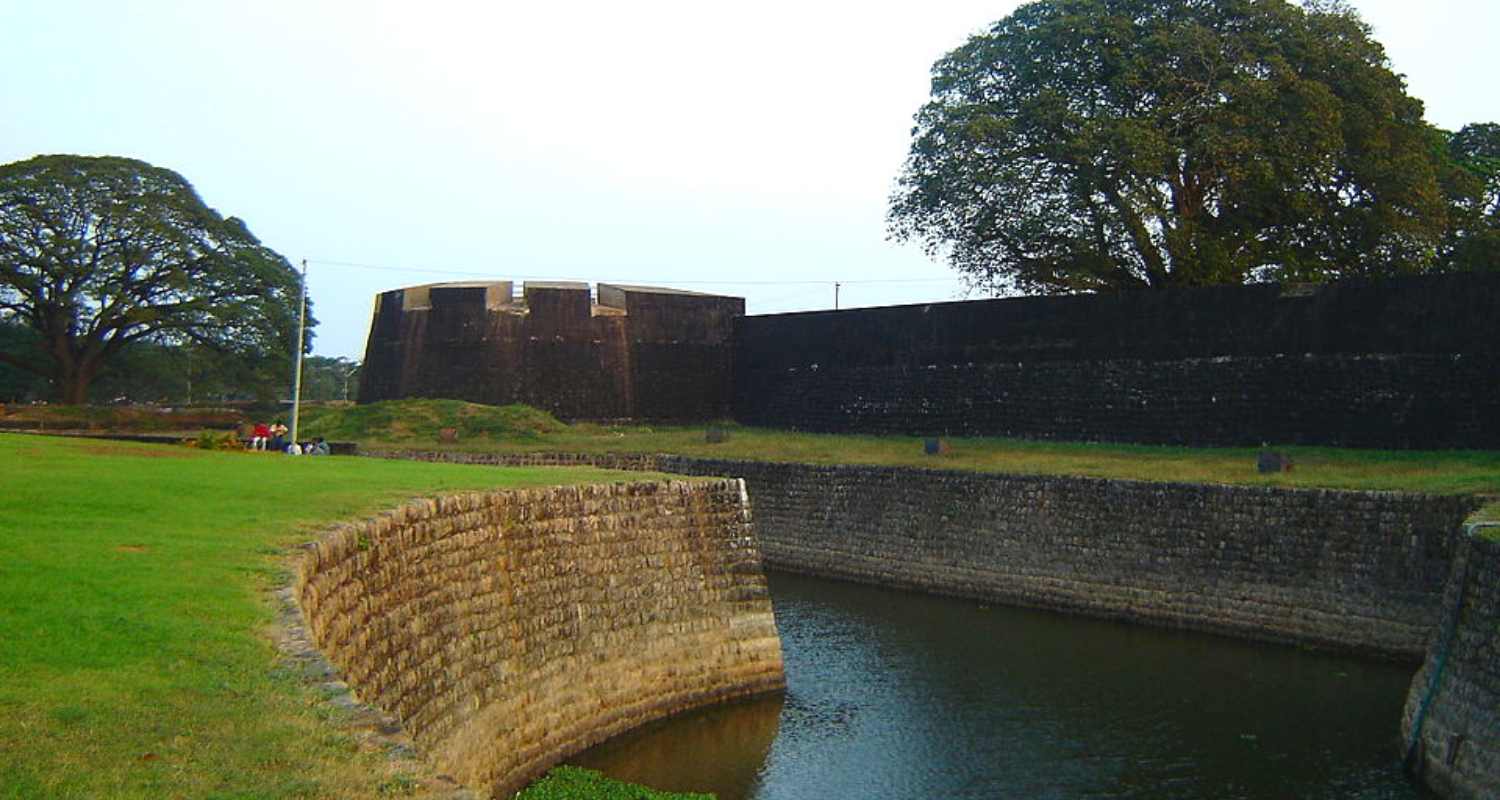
(1402, 363)
(638, 352)
(1405, 362)
(512, 629)
(1452, 719)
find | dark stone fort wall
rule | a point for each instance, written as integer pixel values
(575, 366)
(681, 350)
(667, 356)
(1409, 362)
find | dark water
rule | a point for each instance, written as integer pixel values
(898, 695)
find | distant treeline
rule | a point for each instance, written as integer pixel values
(150, 372)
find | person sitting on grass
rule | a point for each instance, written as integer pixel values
(260, 436)
(317, 447)
(278, 437)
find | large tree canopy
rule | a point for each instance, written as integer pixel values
(1104, 144)
(1474, 184)
(97, 253)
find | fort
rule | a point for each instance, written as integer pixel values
(1407, 362)
(637, 352)
(1410, 362)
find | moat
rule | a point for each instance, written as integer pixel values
(898, 695)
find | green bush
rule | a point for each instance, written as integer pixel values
(576, 783)
(217, 440)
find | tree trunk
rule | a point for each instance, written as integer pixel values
(71, 385)
(75, 392)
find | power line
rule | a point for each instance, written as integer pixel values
(491, 275)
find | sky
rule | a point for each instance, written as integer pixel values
(743, 149)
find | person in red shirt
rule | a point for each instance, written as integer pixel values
(261, 435)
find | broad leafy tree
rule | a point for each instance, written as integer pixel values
(326, 378)
(1474, 186)
(1106, 144)
(147, 372)
(100, 253)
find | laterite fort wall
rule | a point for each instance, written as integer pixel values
(1404, 363)
(638, 352)
(510, 630)
(1457, 692)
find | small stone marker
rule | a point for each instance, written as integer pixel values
(1271, 461)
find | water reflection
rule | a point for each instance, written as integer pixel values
(720, 749)
(896, 695)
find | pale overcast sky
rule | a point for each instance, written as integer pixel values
(747, 149)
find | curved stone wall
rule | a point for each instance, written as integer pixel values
(1356, 571)
(1452, 720)
(510, 630)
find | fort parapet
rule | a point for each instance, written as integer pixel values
(634, 352)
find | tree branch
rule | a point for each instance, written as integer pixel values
(1156, 268)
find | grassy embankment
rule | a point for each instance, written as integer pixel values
(516, 429)
(1489, 516)
(135, 653)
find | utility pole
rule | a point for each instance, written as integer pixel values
(835, 296)
(297, 377)
(347, 374)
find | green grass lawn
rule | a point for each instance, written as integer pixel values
(576, 783)
(517, 429)
(417, 424)
(135, 580)
(135, 660)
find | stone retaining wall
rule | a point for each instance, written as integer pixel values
(638, 462)
(1457, 692)
(1355, 571)
(510, 630)
(1359, 571)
